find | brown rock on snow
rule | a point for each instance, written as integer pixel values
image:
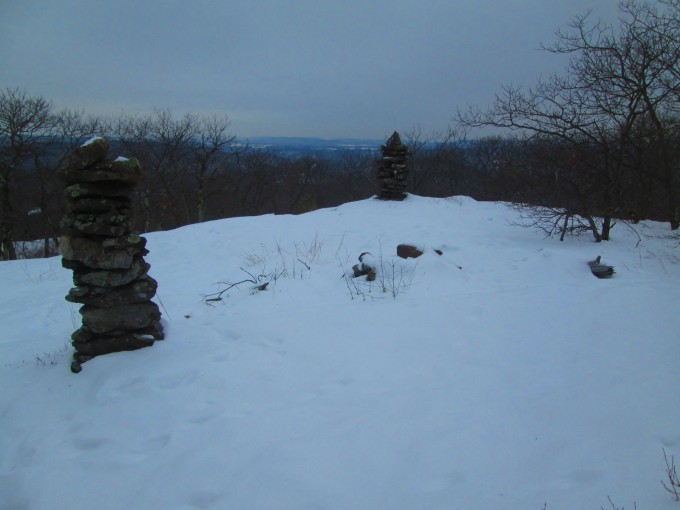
(406, 251)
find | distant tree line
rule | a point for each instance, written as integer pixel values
(598, 144)
(195, 170)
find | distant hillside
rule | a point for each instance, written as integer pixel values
(300, 146)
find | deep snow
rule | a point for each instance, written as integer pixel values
(501, 374)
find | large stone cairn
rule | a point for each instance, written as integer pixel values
(392, 171)
(107, 258)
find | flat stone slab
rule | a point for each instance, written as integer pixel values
(111, 278)
(138, 291)
(109, 344)
(114, 253)
(85, 334)
(122, 170)
(122, 317)
(106, 189)
(120, 205)
(108, 224)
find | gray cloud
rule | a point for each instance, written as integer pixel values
(298, 68)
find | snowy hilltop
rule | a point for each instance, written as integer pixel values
(498, 374)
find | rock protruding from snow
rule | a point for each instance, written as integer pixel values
(599, 269)
(106, 257)
(407, 251)
(367, 266)
(392, 169)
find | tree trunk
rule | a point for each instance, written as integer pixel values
(146, 209)
(606, 227)
(594, 229)
(7, 250)
(669, 169)
(565, 226)
(201, 201)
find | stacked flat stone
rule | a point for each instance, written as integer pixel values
(392, 170)
(109, 272)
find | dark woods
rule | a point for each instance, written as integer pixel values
(195, 170)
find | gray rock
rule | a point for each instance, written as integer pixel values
(117, 253)
(136, 292)
(98, 190)
(120, 170)
(108, 344)
(113, 278)
(108, 224)
(98, 205)
(601, 270)
(82, 334)
(121, 317)
(133, 241)
(85, 334)
(91, 152)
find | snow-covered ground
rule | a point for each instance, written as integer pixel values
(499, 375)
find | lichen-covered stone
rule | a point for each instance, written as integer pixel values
(91, 152)
(120, 170)
(99, 205)
(112, 278)
(121, 317)
(85, 334)
(98, 190)
(82, 334)
(133, 241)
(115, 253)
(108, 224)
(109, 344)
(136, 292)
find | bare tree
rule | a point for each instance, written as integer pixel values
(256, 180)
(212, 149)
(162, 143)
(68, 130)
(435, 161)
(23, 120)
(615, 108)
(355, 175)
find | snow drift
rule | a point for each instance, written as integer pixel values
(501, 374)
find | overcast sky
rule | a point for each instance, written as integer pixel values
(345, 68)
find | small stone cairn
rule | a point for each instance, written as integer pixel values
(392, 171)
(107, 258)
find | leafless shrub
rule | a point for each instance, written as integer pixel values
(556, 221)
(394, 278)
(260, 282)
(286, 265)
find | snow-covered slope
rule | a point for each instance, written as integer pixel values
(500, 374)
